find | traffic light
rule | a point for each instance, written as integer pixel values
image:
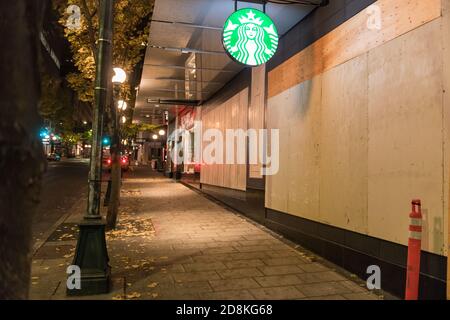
(106, 141)
(44, 134)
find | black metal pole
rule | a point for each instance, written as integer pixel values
(91, 254)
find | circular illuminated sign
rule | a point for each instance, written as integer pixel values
(250, 37)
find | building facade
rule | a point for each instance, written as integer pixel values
(359, 93)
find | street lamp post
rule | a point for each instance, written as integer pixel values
(91, 255)
(116, 172)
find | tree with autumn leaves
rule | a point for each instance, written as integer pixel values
(130, 32)
(130, 36)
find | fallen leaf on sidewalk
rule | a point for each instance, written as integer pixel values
(152, 285)
(132, 226)
(131, 192)
(133, 295)
(117, 297)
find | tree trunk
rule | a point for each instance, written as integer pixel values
(22, 159)
(113, 206)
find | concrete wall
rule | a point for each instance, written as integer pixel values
(363, 119)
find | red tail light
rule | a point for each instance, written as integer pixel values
(109, 161)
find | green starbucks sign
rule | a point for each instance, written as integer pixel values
(250, 37)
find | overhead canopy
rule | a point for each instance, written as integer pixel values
(185, 62)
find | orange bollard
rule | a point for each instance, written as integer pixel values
(414, 248)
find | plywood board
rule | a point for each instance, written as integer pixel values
(276, 195)
(243, 124)
(446, 86)
(257, 110)
(384, 140)
(351, 39)
(406, 136)
(231, 114)
(343, 146)
(303, 114)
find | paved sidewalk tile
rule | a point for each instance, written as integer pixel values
(282, 280)
(277, 293)
(173, 243)
(317, 289)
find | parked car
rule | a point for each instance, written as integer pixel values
(124, 162)
(53, 157)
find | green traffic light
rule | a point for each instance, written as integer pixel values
(106, 141)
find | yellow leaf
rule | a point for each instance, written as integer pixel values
(133, 295)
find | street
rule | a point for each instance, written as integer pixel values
(63, 184)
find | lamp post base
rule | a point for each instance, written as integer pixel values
(91, 256)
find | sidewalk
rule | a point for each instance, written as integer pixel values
(174, 243)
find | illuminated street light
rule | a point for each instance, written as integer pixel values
(122, 105)
(119, 76)
(155, 137)
(161, 132)
(124, 119)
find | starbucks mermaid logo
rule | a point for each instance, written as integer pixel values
(250, 37)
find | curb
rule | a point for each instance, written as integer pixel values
(52, 229)
(47, 234)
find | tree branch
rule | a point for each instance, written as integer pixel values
(91, 30)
